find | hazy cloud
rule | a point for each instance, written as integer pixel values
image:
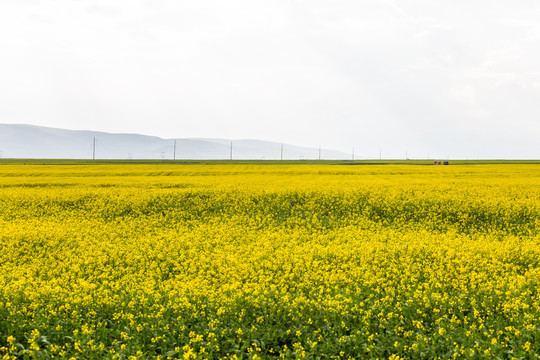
(458, 79)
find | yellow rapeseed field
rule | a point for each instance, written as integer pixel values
(255, 261)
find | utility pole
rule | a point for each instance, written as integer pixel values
(231, 151)
(281, 151)
(174, 151)
(94, 149)
(319, 152)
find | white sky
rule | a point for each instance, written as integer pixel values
(449, 78)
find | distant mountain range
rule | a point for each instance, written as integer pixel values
(28, 141)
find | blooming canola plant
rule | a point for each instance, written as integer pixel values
(256, 261)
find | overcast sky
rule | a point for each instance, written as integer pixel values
(449, 78)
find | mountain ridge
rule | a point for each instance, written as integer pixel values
(40, 142)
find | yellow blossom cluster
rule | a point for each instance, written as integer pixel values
(254, 261)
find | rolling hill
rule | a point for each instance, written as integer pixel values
(29, 141)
